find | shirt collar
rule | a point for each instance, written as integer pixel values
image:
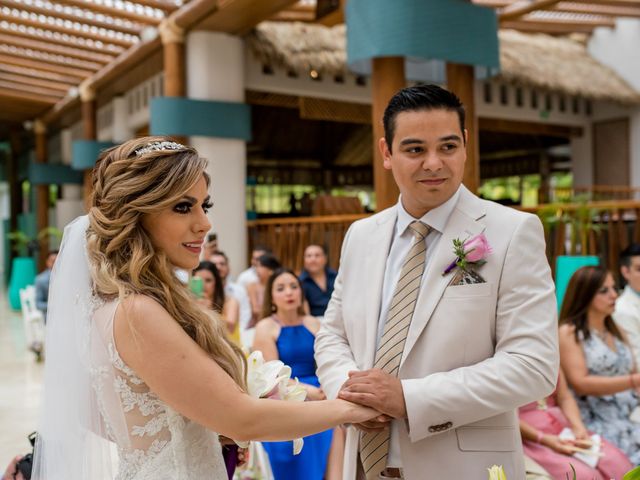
(436, 218)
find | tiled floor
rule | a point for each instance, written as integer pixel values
(20, 386)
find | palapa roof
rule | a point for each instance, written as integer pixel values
(535, 60)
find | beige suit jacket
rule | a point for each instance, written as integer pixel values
(473, 353)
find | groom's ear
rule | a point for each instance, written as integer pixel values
(385, 151)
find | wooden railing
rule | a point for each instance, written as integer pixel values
(288, 237)
(596, 193)
(593, 228)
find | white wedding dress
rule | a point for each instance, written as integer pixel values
(153, 440)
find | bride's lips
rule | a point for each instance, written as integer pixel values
(193, 247)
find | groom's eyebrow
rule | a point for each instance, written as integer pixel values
(410, 141)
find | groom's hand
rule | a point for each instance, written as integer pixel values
(376, 389)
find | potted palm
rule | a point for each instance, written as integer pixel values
(23, 267)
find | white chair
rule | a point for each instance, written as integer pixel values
(33, 320)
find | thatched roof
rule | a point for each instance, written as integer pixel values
(552, 63)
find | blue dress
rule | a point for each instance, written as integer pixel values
(295, 348)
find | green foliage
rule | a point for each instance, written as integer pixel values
(574, 473)
(633, 474)
(24, 245)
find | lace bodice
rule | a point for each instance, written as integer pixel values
(153, 441)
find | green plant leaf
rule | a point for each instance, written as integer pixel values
(632, 475)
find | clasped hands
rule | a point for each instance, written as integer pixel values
(378, 390)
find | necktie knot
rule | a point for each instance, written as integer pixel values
(419, 229)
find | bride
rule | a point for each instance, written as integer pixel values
(132, 360)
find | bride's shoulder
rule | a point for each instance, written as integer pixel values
(140, 313)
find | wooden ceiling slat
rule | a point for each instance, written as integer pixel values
(71, 17)
(36, 65)
(55, 49)
(69, 31)
(4, 85)
(39, 74)
(553, 28)
(81, 66)
(50, 59)
(20, 79)
(518, 9)
(575, 7)
(73, 41)
(111, 11)
(36, 99)
(238, 17)
(167, 7)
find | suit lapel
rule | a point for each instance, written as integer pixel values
(463, 223)
(378, 245)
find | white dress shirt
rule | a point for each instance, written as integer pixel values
(400, 245)
(240, 294)
(627, 317)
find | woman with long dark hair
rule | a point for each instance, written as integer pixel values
(597, 359)
(215, 298)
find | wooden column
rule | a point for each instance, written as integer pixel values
(89, 132)
(387, 77)
(172, 37)
(15, 188)
(461, 81)
(42, 192)
(173, 52)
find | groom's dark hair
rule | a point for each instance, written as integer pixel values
(420, 97)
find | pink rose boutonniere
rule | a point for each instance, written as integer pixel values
(473, 251)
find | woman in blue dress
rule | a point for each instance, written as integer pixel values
(287, 334)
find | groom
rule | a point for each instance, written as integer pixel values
(446, 357)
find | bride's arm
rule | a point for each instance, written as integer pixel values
(152, 343)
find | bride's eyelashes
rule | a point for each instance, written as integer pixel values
(186, 206)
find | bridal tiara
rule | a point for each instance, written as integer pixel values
(159, 146)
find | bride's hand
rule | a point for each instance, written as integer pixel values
(360, 413)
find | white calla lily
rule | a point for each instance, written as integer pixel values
(272, 380)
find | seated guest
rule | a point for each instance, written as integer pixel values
(317, 279)
(286, 333)
(541, 423)
(215, 298)
(627, 312)
(42, 283)
(232, 289)
(250, 275)
(597, 360)
(265, 265)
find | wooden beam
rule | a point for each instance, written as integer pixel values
(10, 77)
(334, 18)
(57, 39)
(51, 59)
(25, 62)
(29, 72)
(16, 95)
(518, 9)
(111, 11)
(528, 128)
(166, 7)
(83, 19)
(47, 92)
(238, 17)
(552, 28)
(55, 49)
(613, 11)
(27, 22)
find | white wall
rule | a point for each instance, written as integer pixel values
(619, 49)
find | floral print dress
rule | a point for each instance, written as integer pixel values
(608, 415)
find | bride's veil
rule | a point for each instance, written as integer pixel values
(73, 442)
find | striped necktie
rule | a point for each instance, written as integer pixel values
(374, 447)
